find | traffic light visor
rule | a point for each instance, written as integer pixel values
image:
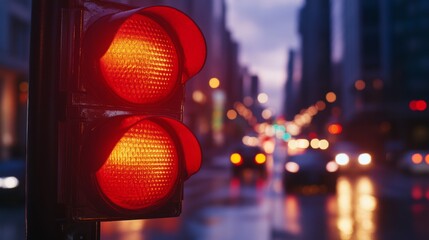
(189, 37)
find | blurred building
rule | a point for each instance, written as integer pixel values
(357, 71)
(315, 82)
(380, 64)
(405, 36)
(356, 55)
(14, 54)
(314, 29)
(405, 68)
(292, 86)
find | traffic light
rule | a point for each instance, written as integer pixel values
(123, 150)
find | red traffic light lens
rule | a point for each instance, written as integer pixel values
(141, 64)
(138, 162)
(141, 169)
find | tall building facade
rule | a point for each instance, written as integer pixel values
(356, 55)
(381, 62)
(292, 86)
(314, 29)
(405, 68)
(405, 52)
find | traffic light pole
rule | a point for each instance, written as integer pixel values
(45, 217)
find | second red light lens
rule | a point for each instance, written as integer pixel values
(142, 168)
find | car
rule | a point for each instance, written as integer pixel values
(414, 162)
(12, 181)
(313, 167)
(248, 159)
(351, 158)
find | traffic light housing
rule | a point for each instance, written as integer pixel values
(123, 150)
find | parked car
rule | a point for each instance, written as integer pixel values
(414, 162)
(248, 159)
(12, 181)
(310, 168)
(351, 158)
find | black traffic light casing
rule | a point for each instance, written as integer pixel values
(123, 152)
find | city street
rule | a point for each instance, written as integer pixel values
(381, 204)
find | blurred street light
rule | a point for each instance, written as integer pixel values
(214, 83)
(262, 98)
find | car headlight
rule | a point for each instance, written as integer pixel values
(342, 159)
(292, 167)
(331, 166)
(9, 182)
(364, 159)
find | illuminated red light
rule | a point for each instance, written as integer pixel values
(143, 55)
(141, 169)
(140, 161)
(335, 129)
(312, 135)
(416, 192)
(418, 105)
(141, 64)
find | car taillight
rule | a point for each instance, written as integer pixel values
(236, 159)
(260, 158)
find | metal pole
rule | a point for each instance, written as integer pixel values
(45, 217)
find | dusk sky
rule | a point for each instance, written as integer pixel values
(265, 31)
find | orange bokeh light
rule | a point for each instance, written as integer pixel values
(417, 158)
(335, 129)
(260, 158)
(236, 159)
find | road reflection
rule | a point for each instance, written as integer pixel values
(350, 214)
(356, 208)
(292, 212)
(378, 205)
